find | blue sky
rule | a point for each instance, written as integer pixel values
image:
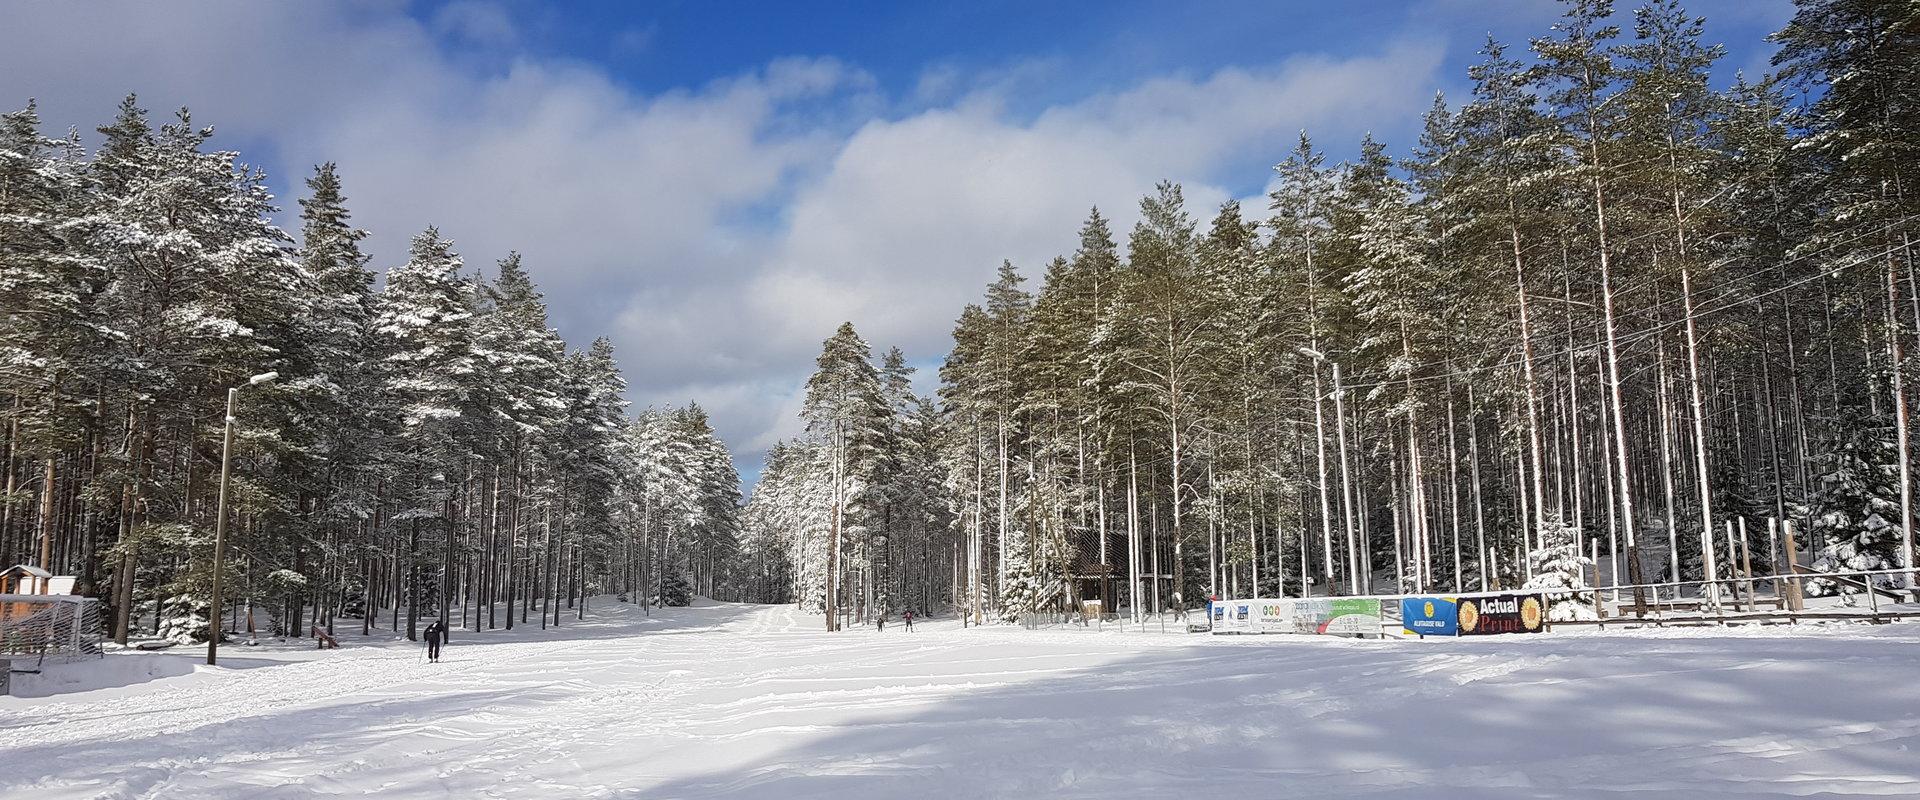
(1064, 51)
(715, 186)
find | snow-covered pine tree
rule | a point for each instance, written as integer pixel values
(807, 486)
(893, 493)
(1560, 570)
(767, 524)
(1395, 287)
(1039, 551)
(336, 416)
(965, 442)
(1855, 503)
(1169, 316)
(588, 458)
(928, 522)
(183, 620)
(1235, 277)
(1306, 284)
(845, 413)
(1022, 592)
(198, 292)
(675, 590)
(422, 324)
(714, 528)
(48, 334)
(1002, 384)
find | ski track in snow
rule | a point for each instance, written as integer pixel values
(729, 700)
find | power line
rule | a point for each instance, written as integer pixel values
(1633, 337)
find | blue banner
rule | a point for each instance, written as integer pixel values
(1430, 616)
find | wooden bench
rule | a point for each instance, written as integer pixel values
(323, 640)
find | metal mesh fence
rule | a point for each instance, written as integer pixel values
(43, 629)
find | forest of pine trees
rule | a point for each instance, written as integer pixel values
(430, 449)
(1602, 309)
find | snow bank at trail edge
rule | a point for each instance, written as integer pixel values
(115, 670)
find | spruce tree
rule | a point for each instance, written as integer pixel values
(1856, 503)
(1559, 568)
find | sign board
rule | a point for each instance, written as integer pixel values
(1340, 615)
(1251, 616)
(1502, 613)
(1352, 616)
(1430, 616)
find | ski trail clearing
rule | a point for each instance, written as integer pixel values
(731, 700)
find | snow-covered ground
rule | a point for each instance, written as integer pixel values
(753, 701)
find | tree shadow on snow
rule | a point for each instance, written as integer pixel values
(606, 618)
(1501, 717)
(221, 758)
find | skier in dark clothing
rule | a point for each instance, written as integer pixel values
(908, 616)
(436, 633)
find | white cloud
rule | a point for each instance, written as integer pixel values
(916, 213)
(476, 22)
(718, 232)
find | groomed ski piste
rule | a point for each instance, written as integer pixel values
(732, 700)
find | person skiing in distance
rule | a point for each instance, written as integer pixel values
(880, 621)
(908, 616)
(436, 633)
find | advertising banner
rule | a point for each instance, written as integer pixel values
(1340, 615)
(1252, 616)
(1503, 613)
(1355, 616)
(1430, 616)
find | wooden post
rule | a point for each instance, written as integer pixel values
(1733, 566)
(1746, 562)
(1795, 600)
(1599, 603)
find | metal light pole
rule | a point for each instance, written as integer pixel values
(1346, 475)
(215, 615)
(1354, 572)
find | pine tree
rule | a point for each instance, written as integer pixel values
(964, 442)
(335, 429)
(47, 277)
(1559, 568)
(845, 412)
(1169, 320)
(676, 591)
(1857, 500)
(422, 324)
(1857, 57)
(1008, 309)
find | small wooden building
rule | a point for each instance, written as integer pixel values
(26, 579)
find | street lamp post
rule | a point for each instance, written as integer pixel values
(1355, 573)
(214, 612)
(1354, 561)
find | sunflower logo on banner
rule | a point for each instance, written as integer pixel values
(1531, 614)
(1503, 613)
